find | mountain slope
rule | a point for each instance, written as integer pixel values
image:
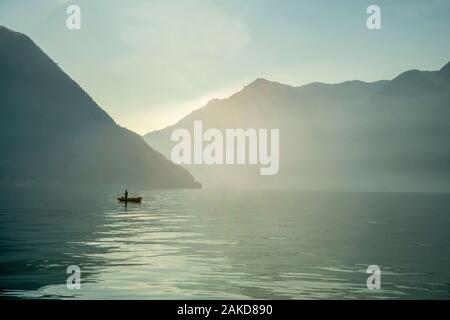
(52, 132)
(386, 135)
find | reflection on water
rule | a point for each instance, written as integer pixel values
(215, 244)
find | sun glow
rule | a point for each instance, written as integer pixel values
(162, 116)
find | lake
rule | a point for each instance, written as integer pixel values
(211, 244)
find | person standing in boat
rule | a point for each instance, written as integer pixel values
(126, 194)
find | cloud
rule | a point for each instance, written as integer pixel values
(183, 27)
(169, 53)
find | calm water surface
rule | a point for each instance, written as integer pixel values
(201, 244)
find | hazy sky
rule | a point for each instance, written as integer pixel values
(148, 63)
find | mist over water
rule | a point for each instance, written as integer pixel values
(223, 244)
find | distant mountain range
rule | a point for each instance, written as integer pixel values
(53, 133)
(381, 136)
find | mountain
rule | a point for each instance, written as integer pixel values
(53, 133)
(380, 136)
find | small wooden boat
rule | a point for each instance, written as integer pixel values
(136, 199)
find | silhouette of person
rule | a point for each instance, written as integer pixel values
(126, 194)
